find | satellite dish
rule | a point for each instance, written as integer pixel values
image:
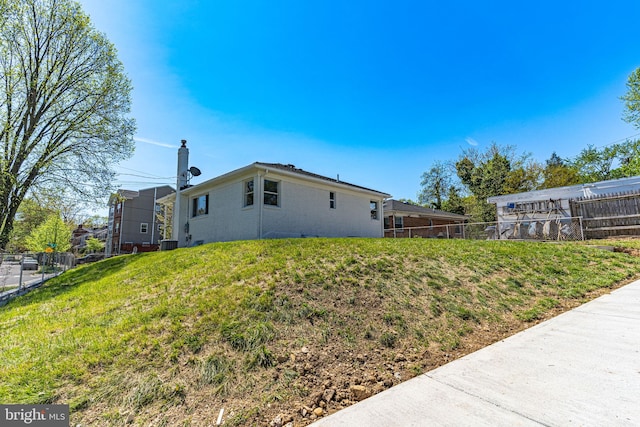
(195, 171)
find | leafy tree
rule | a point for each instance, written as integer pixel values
(64, 104)
(435, 183)
(593, 164)
(557, 173)
(94, 245)
(632, 99)
(485, 175)
(454, 203)
(628, 154)
(30, 215)
(610, 162)
(53, 233)
(525, 175)
(95, 221)
(495, 172)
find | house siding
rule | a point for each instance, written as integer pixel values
(303, 211)
(133, 212)
(227, 219)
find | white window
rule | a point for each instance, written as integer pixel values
(398, 222)
(373, 206)
(200, 206)
(271, 196)
(248, 193)
(332, 200)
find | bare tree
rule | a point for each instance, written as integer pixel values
(64, 104)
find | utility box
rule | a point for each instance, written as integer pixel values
(168, 245)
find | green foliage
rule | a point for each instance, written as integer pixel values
(632, 99)
(64, 105)
(495, 172)
(94, 245)
(610, 162)
(31, 214)
(53, 233)
(454, 203)
(435, 184)
(95, 221)
(557, 173)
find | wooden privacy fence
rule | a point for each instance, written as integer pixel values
(616, 214)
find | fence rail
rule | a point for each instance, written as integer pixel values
(529, 229)
(21, 272)
(611, 215)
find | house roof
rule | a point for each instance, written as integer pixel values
(395, 206)
(287, 169)
(622, 185)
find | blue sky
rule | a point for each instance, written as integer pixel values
(372, 91)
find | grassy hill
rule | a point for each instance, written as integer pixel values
(273, 330)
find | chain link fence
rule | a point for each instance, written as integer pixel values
(525, 229)
(21, 272)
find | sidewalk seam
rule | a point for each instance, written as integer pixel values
(486, 400)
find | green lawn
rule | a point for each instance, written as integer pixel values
(168, 335)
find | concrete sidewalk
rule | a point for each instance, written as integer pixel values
(581, 368)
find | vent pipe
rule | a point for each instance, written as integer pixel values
(183, 165)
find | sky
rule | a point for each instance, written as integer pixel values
(372, 91)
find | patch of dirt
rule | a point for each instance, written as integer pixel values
(629, 251)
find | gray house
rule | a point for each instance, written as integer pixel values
(133, 226)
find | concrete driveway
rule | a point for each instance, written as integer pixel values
(581, 368)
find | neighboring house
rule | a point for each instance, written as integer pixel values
(271, 200)
(80, 235)
(132, 225)
(407, 220)
(598, 209)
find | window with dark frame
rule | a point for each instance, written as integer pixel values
(332, 200)
(373, 206)
(248, 193)
(200, 206)
(271, 196)
(398, 222)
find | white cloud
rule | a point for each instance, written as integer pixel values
(471, 141)
(159, 144)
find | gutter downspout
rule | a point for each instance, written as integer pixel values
(153, 220)
(259, 201)
(121, 224)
